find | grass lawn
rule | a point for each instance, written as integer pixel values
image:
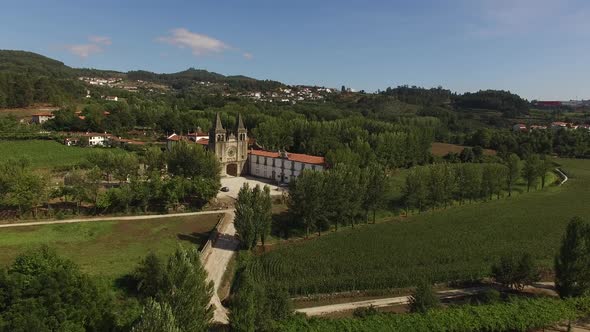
(46, 154)
(459, 243)
(109, 248)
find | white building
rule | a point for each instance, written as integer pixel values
(93, 139)
(40, 118)
(281, 166)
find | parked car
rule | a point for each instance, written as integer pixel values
(225, 189)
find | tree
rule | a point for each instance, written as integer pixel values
(375, 190)
(572, 264)
(415, 190)
(244, 217)
(513, 165)
(263, 213)
(545, 167)
(493, 178)
(186, 290)
(243, 310)
(149, 276)
(530, 171)
(81, 187)
(306, 200)
(20, 187)
(154, 159)
(423, 298)
(42, 292)
(515, 272)
(156, 317)
(190, 160)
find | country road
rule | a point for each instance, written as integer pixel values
(563, 176)
(217, 260)
(142, 217)
(387, 302)
(380, 303)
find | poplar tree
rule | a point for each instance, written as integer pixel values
(156, 317)
(530, 171)
(572, 264)
(513, 173)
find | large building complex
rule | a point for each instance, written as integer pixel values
(237, 159)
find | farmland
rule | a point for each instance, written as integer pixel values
(442, 149)
(444, 245)
(108, 248)
(46, 154)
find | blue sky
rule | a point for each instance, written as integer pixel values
(536, 48)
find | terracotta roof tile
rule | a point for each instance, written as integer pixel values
(302, 158)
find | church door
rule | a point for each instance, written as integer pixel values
(231, 169)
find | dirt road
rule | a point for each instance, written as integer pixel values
(386, 302)
(144, 217)
(379, 303)
(216, 262)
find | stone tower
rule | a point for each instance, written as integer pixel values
(230, 147)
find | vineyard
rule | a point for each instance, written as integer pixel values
(46, 154)
(455, 244)
(517, 315)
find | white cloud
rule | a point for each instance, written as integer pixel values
(198, 43)
(84, 50)
(101, 40)
(96, 45)
(248, 56)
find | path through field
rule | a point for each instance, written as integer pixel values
(391, 301)
(386, 302)
(115, 218)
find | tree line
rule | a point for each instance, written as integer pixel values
(439, 185)
(186, 176)
(343, 195)
(42, 291)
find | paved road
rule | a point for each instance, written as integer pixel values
(216, 262)
(563, 176)
(144, 217)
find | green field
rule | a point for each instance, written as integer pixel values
(108, 248)
(46, 154)
(459, 243)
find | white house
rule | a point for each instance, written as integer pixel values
(94, 139)
(41, 117)
(281, 166)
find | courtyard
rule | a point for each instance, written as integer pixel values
(234, 183)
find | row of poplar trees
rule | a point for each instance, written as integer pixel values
(439, 185)
(253, 217)
(342, 195)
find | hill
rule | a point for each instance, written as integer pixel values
(27, 78)
(32, 64)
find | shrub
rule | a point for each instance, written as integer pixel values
(423, 298)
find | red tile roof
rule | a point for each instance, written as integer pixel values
(198, 133)
(203, 141)
(302, 158)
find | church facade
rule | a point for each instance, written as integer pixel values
(230, 147)
(237, 158)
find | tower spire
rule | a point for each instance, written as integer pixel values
(240, 122)
(218, 125)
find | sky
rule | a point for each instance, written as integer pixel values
(535, 48)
